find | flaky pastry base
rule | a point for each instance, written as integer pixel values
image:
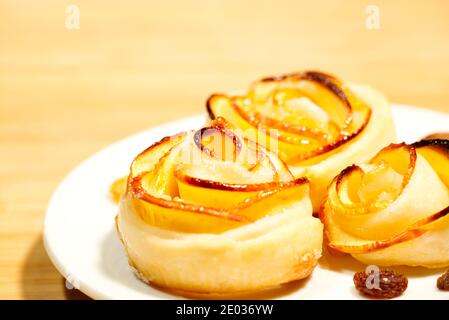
(279, 248)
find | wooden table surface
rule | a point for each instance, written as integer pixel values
(65, 94)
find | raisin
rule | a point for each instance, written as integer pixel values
(391, 284)
(443, 282)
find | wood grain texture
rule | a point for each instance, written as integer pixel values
(64, 94)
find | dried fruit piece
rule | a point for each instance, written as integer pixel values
(389, 284)
(443, 282)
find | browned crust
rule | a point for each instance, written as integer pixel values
(209, 103)
(440, 144)
(210, 184)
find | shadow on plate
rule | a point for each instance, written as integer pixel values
(41, 281)
(114, 265)
(341, 262)
(273, 293)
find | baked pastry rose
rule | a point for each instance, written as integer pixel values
(314, 122)
(393, 210)
(212, 212)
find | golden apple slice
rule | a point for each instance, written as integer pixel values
(436, 152)
(386, 234)
(218, 207)
(323, 89)
(353, 184)
(212, 193)
(163, 181)
(362, 246)
(219, 183)
(148, 158)
(426, 246)
(435, 136)
(389, 218)
(222, 194)
(178, 215)
(285, 103)
(218, 142)
(272, 201)
(191, 182)
(152, 193)
(316, 124)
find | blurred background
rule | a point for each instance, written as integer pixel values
(77, 75)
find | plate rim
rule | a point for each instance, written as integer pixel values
(84, 286)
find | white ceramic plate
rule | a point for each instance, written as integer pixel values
(81, 241)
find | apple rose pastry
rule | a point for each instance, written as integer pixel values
(316, 124)
(212, 212)
(393, 210)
